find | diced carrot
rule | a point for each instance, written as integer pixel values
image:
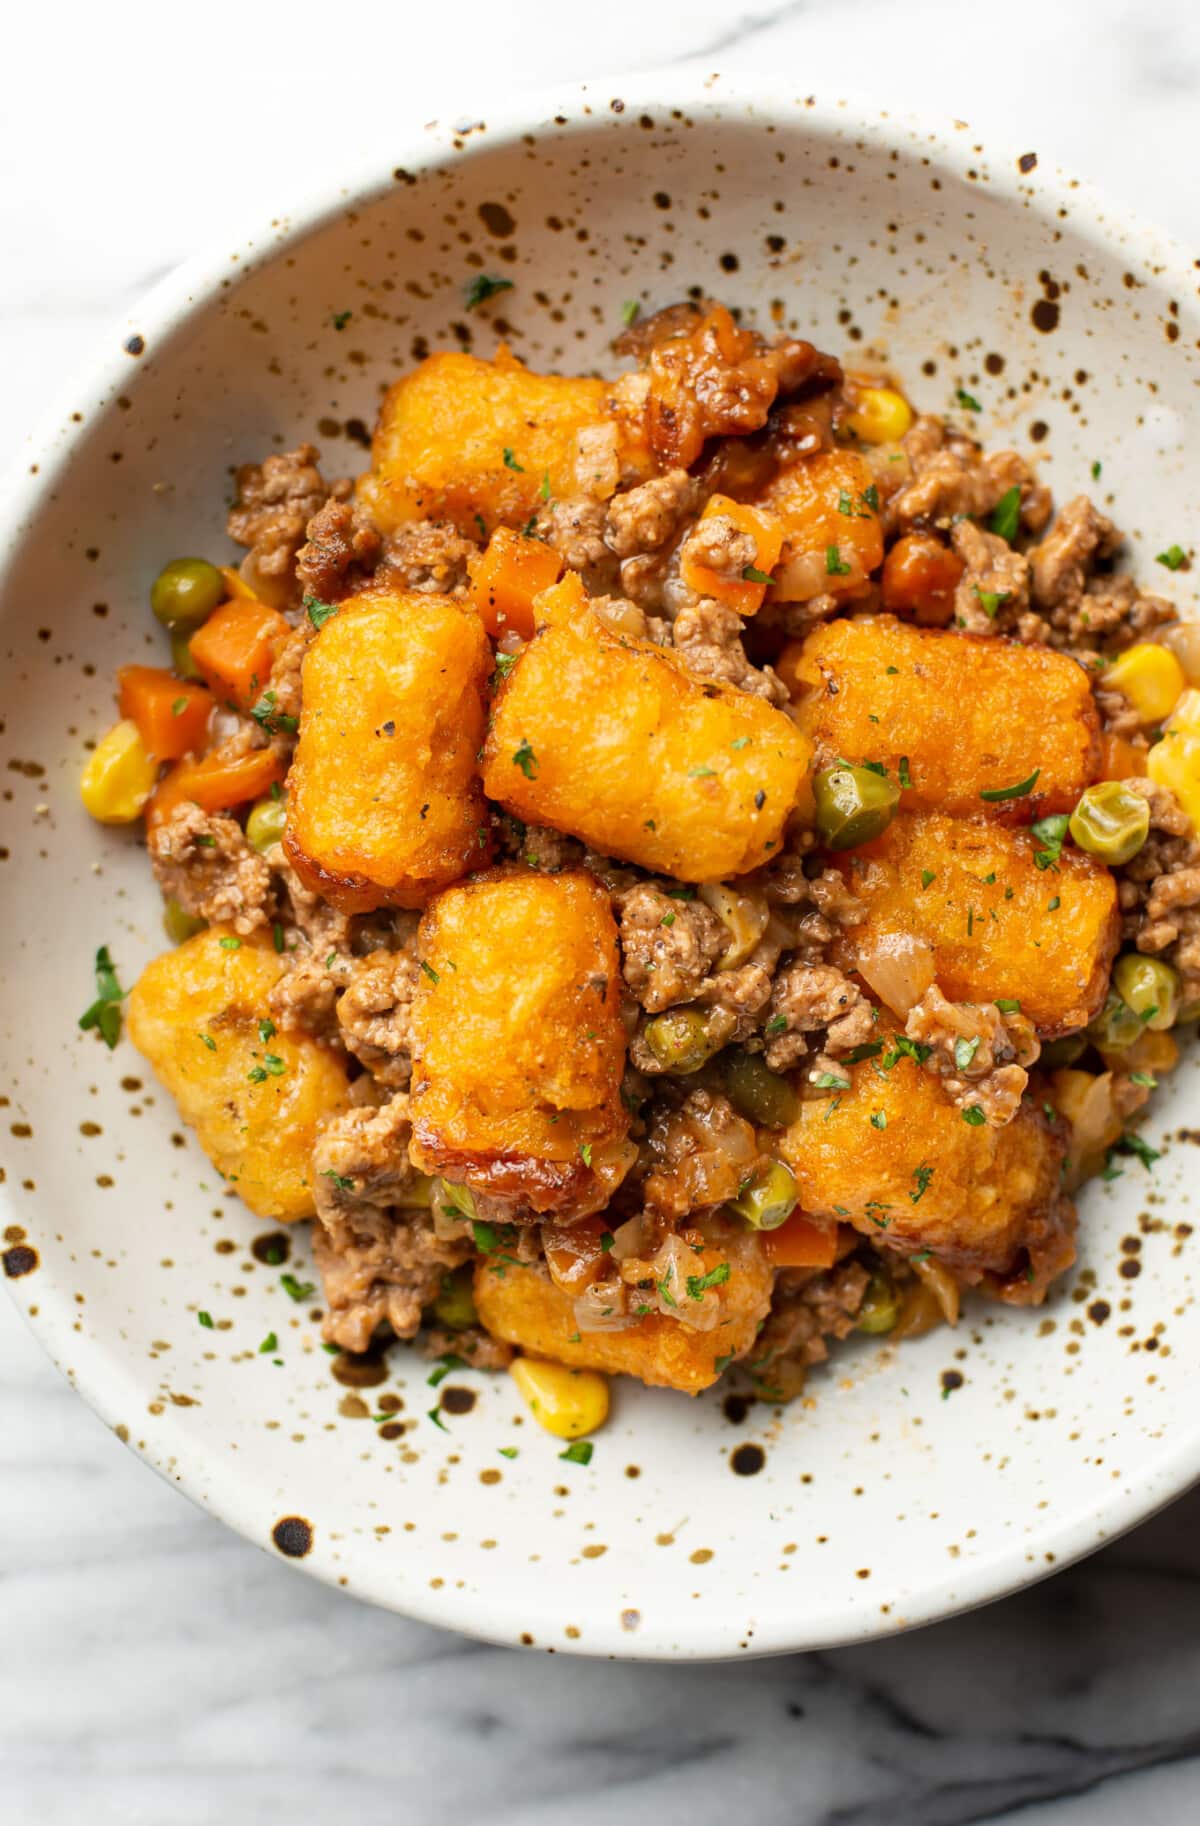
(506, 578)
(215, 783)
(236, 648)
(1119, 759)
(171, 716)
(799, 1243)
(743, 593)
(920, 576)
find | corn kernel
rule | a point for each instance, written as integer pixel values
(119, 776)
(1175, 763)
(1150, 677)
(880, 416)
(1185, 718)
(239, 590)
(567, 1402)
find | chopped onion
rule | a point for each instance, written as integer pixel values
(1183, 640)
(602, 1308)
(941, 1283)
(631, 1238)
(897, 966)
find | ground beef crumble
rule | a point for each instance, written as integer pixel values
(275, 500)
(981, 1055)
(203, 861)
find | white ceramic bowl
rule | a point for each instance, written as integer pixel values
(879, 1502)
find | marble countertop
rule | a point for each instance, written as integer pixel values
(155, 1666)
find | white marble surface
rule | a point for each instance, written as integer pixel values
(154, 1667)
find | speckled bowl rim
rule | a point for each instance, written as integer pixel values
(108, 1382)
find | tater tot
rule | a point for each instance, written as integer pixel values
(518, 1043)
(384, 799)
(198, 1014)
(969, 715)
(998, 925)
(611, 739)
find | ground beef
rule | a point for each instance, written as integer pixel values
(993, 591)
(808, 1307)
(283, 694)
(536, 845)
(380, 1268)
(598, 460)
(341, 552)
(980, 1054)
(575, 530)
(1061, 565)
(274, 503)
(360, 1161)
(1110, 614)
(646, 517)
(306, 995)
(718, 543)
(1159, 890)
(819, 906)
(375, 1014)
(428, 556)
(808, 998)
(321, 925)
(950, 476)
(476, 1347)
(708, 638)
(668, 945)
(202, 860)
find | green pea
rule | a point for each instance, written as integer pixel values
(182, 662)
(454, 1306)
(264, 826)
(680, 1039)
(179, 925)
(769, 1199)
(1058, 1053)
(758, 1093)
(1111, 821)
(186, 592)
(854, 805)
(880, 1305)
(1149, 987)
(1116, 1026)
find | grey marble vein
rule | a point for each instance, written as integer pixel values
(155, 1668)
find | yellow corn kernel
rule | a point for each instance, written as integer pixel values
(1151, 678)
(235, 583)
(1185, 718)
(567, 1402)
(1175, 763)
(880, 416)
(119, 776)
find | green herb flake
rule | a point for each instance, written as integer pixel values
(992, 601)
(340, 319)
(1008, 1004)
(974, 1115)
(698, 1284)
(902, 773)
(776, 1024)
(751, 574)
(829, 1081)
(526, 760)
(1096, 468)
(585, 1153)
(484, 286)
(296, 1290)
(928, 876)
(340, 1180)
(277, 936)
(179, 706)
(904, 1048)
(104, 1015)
(579, 1452)
(967, 401)
(1006, 515)
(835, 565)
(446, 1366)
(1146, 1079)
(870, 1049)
(702, 773)
(429, 971)
(995, 795)
(270, 1343)
(1132, 1143)
(507, 1451)
(922, 1175)
(1174, 558)
(964, 1053)
(1052, 906)
(266, 1031)
(231, 943)
(879, 1119)
(435, 1415)
(510, 461)
(319, 612)
(544, 490)
(629, 310)
(205, 1319)
(206, 1039)
(1049, 835)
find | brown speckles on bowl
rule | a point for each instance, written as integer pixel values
(18, 1261)
(135, 345)
(293, 1536)
(747, 1460)
(1027, 163)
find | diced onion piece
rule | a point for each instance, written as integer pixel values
(898, 966)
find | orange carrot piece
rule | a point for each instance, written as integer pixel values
(745, 594)
(215, 783)
(236, 648)
(799, 1243)
(1119, 759)
(171, 716)
(506, 578)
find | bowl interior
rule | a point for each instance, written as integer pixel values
(909, 1481)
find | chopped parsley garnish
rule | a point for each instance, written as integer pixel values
(975, 1116)
(922, 1175)
(526, 760)
(607, 1239)
(1144, 1078)
(341, 319)
(668, 919)
(964, 1053)
(904, 1048)
(510, 461)
(1174, 558)
(490, 1239)
(430, 972)
(702, 773)
(995, 794)
(870, 1049)
(579, 1452)
(1008, 1004)
(1049, 834)
(1132, 1143)
(629, 310)
(482, 286)
(835, 565)
(870, 496)
(776, 1024)
(179, 706)
(750, 574)
(266, 1030)
(296, 1290)
(104, 1015)
(507, 1451)
(205, 1319)
(277, 936)
(274, 1064)
(585, 1153)
(741, 741)
(829, 1081)
(269, 717)
(206, 1039)
(269, 1343)
(505, 663)
(992, 600)
(445, 1367)
(873, 1207)
(544, 490)
(967, 401)
(928, 875)
(481, 523)
(319, 612)
(1006, 515)
(902, 773)
(340, 1180)
(1096, 467)
(698, 1284)
(1053, 905)
(230, 943)
(434, 1415)
(879, 1119)
(681, 893)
